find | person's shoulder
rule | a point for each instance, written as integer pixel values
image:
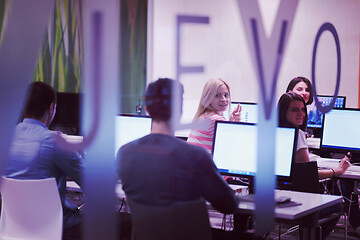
(214, 116)
(136, 143)
(193, 149)
(51, 136)
(38, 132)
(301, 133)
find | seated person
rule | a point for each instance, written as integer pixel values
(215, 100)
(292, 113)
(302, 86)
(159, 169)
(36, 154)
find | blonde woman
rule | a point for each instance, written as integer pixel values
(215, 100)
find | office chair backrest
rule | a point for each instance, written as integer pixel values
(31, 209)
(306, 178)
(183, 220)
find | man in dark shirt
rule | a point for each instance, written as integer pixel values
(160, 169)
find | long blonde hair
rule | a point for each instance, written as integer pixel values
(208, 95)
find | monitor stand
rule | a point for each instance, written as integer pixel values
(317, 132)
(355, 158)
(249, 183)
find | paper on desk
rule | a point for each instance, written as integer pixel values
(327, 162)
(240, 188)
(331, 163)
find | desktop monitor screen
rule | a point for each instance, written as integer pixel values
(315, 117)
(67, 116)
(129, 128)
(249, 111)
(341, 131)
(235, 149)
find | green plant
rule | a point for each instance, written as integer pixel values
(2, 17)
(60, 57)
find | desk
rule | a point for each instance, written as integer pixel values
(73, 138)
(353, 172)
(313, 142)
(74, 187)
(306, 214)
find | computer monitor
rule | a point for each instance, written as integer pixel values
(249, 111)
(341, 131)
(315, 117)
(235, 150)
(67, 116)
(130, 127)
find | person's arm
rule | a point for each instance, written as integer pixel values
(302, 150)
(213, 188)
(68, 161)
(302, 156)
(334, 172)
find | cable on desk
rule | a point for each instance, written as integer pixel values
(122, 204)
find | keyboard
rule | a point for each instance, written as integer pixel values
(251, 198)
(246, 197)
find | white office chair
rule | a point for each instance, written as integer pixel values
(31, 209)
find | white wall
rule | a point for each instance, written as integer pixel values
(222, 49)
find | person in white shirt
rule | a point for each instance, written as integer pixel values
(292, 113)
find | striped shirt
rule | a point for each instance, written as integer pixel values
(204, 138)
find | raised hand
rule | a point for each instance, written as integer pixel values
(235, 115)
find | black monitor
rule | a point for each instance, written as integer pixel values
(130, 127)
(67, 118)
(249, 111)
(235, 150)
(315, 117)
(341, 131)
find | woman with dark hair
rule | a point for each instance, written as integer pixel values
(292, 113)
(301, 86)
(285, 101)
